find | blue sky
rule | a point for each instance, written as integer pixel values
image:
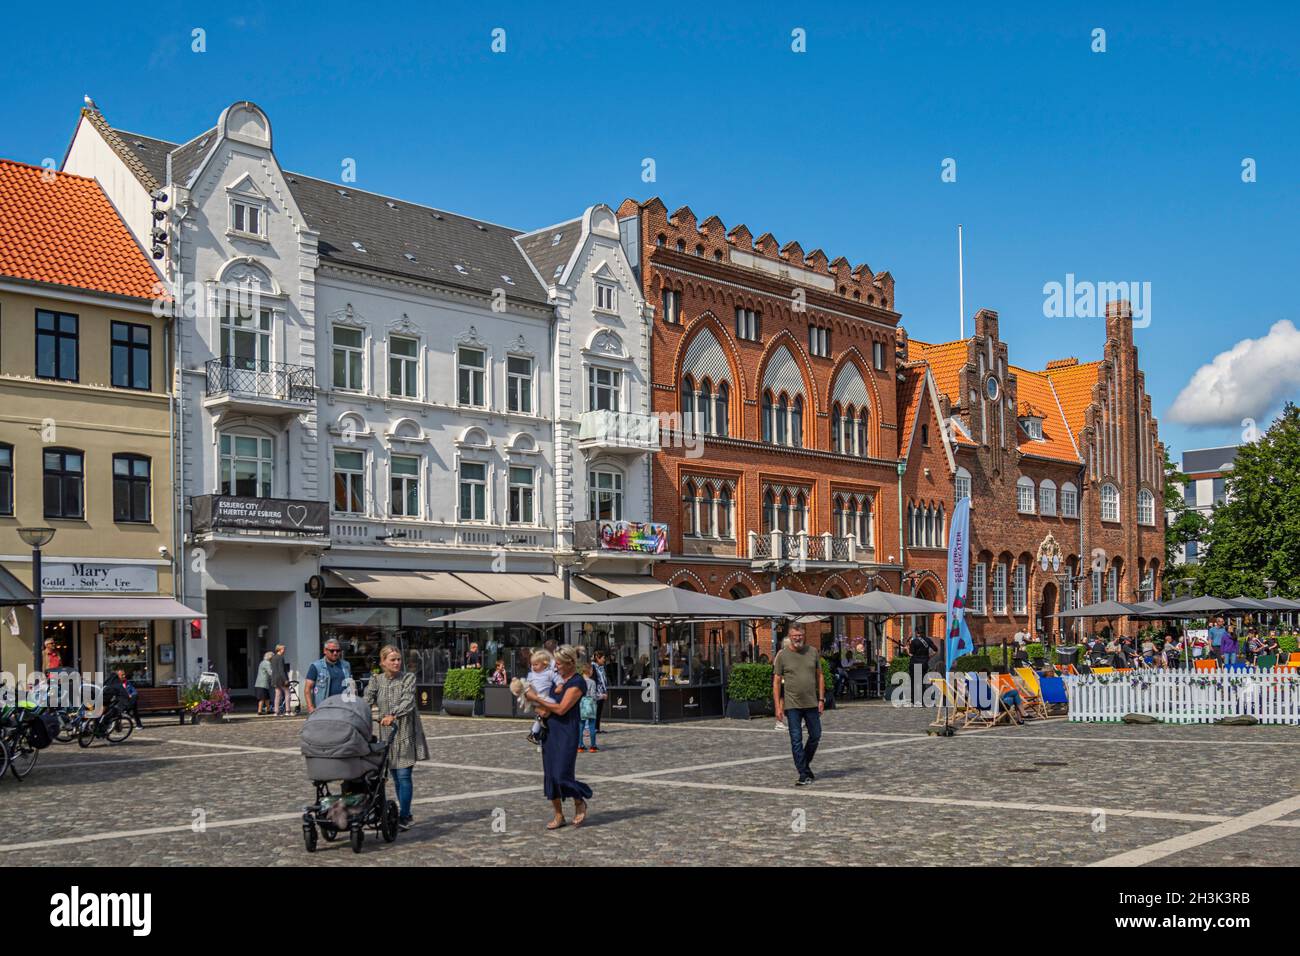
(1115, 166)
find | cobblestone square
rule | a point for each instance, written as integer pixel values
(715, 792)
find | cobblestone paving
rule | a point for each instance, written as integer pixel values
(718, 792)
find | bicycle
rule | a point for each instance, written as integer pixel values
(112, 725)
(20, 750)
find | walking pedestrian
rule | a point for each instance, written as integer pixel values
(280, 681)
(919, 649)
(587, 712)
(262, 684)
(602, 684)
(799, 692)
(1228, 647)
(560, 750)
(392, 693)
(327, 677)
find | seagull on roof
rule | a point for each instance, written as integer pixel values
(89, 102)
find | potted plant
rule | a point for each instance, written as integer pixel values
(749, 691)
(205, 705)
(462, 692)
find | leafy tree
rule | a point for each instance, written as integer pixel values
(1256, 533)
(1182, 523)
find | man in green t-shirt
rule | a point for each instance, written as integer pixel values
(798, 689)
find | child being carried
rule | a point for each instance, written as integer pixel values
(542, 678)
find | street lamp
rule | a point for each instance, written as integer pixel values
(37, 538)
(1270, 584)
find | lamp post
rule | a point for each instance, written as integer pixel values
(37, 538)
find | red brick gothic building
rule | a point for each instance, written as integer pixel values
(833, 448)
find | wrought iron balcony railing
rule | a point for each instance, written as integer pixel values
(252, 378)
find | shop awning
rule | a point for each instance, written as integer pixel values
(623, 585)
(427, 587)
(518, 586)
(13, 591)
(116, 609)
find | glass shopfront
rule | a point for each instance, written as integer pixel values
(128, 646)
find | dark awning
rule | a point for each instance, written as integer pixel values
(13, 591)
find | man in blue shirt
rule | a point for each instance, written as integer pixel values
(1217, 633)
(328, 677)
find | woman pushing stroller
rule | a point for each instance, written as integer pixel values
(392, 692)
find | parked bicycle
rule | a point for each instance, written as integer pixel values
(25, 730)
(111, 725)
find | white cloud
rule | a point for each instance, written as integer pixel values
(1248, 381)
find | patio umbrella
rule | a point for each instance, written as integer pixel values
(537, 611)
(889, 604)
(1101, 609)
(784, 602)
(1192, 607)
(1248, 604)
(1280, 604)
(1143, 607)
(664, 605)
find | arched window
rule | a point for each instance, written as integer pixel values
(769, 512)
(1069, 501)
(800, 514)
(782, 419)
(689, 527)
(860, 433)
(1047, 497)
(1146, 507)
(704, 407)
(688, 405)
(796, 422)
(723, 402)
(783, 518)
(1109, 503)
(767, 416)
(942, 543)
(911, 524)
(724, 512)
(846, 431)
(1025, 495)
(837, 515)
(835, 428)
(962, 484)
(864, 525)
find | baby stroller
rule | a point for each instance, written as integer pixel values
(338, 745)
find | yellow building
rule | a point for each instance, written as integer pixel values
(85, 433)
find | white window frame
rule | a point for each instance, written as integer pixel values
(482, 484)
(478, 375)
(524, 390)
(961, 484)
(1047, 497)
(1112, 584)
(595, 388)
(249, 205)
(671, 304)
(262, 328)
(878, 355)
(524, 492)
(595, 492)
(978, 579)
(1109, 502)
(1025, 495)
(1019, 590)
(1000, 588)
(405, 480)
(265, 462)
(1146, 507)
(747, 324)
(606, 291)
(409, 366)
(349, 352)
(1069, 500)
(350, 474)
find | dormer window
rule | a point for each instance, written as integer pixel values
(1033, 426)
(605, 297)
(246, 218)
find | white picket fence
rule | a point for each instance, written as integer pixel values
(1270, 695)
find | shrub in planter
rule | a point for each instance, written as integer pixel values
(750, 682)
(1288, 643)
(1036, 651)
(203, 703)
(464, 683)
(973, 662)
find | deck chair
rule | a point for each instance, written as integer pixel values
(956, 701)
(1203, 665)
(1053, 691)
(1031, 689)
(1068, 669)
(1294, 659)
(984, 708)
(1103, 670)
(1002, 683)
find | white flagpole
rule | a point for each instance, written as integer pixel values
(961, 286)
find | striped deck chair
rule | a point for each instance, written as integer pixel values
(1002, 683)
(1103, 670)
(1202, 665)
(983, 706)
(954, 698)
(1067, 669)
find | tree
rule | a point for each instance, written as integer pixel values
(1255, 535)
(1182, 524)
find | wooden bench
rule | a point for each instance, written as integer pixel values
(159, 700)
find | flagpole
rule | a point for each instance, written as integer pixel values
(961, 286)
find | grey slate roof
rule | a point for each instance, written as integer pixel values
(550, 249)
(1201, 460)
(398, 237)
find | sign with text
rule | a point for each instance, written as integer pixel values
(239, 513)
(108, 578)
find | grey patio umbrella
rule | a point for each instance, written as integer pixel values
(1101, 609)
(664, 604)
(538, 611)
(1142, 607)
(1248, 604)
(795, 604)
(1281, 604)
(1192, 607)
(888, 604)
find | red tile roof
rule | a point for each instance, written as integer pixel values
(910, 390)
(1035, 389)
(1073, 386)
(945, 361)
(61, 229)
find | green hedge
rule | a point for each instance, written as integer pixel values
(899, 665)
(464, 683)
(1289, 642)
(973, 662)
(750, 682)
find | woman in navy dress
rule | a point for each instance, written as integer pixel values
(560, 751)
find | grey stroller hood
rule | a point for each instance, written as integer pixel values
(339, 728)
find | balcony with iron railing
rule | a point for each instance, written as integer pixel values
(258, 387)
(823, 549)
